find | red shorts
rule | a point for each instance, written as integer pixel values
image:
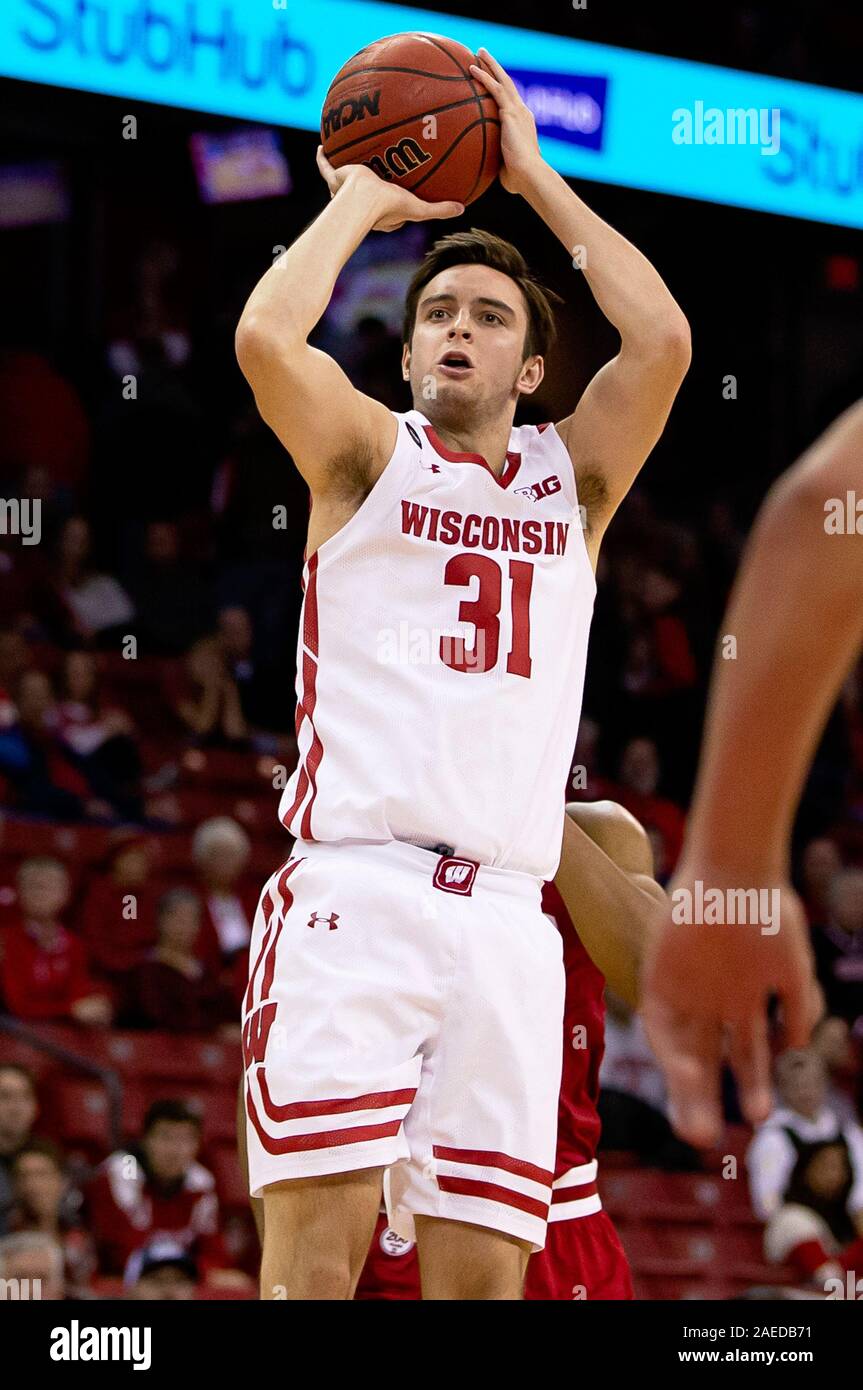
(583, 1258)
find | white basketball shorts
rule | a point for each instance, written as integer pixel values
(405, 1011)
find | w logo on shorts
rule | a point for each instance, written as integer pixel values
(455, 875)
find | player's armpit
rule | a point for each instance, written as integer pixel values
(618, 421)
(310, 405)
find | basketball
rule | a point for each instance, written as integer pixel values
(407, 107)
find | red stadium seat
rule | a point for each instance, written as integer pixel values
(16, 1052)
(80, 1116)
(681, 1198)
(167, 1057)
(680, 1252)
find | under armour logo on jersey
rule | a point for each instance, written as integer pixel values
(316, 917)
(455, 875)
(539, 490)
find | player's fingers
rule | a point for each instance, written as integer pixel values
(498, 71)
(435, 210)
(802, 1004)
(327, 172)
(490, 83)
(749, 1055)
(690, 1054)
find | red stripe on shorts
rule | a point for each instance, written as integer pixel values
(486, 1158)
(287, 902)
(324, 1139)
(302, 1109)
(493, 1192)
(267, 908)
(574, 1193)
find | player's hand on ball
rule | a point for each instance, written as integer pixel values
(518, 141)
(395, 205)
(705, 996)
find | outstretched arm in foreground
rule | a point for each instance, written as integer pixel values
(796, 614)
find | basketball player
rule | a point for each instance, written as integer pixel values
(797, 615)
(406, 992)
(603, 901)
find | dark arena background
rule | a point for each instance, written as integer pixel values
(151, 548)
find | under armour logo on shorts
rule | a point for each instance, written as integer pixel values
(455, 875)
(332, 919)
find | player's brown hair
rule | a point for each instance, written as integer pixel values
(477, 247)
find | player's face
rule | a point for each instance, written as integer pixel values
(466, 358)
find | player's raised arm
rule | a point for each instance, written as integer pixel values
(307, 400)
(624, 409)
(605, 878)
(796, 615)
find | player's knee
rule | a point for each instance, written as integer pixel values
(305, 1274)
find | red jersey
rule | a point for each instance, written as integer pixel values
(578, 1123)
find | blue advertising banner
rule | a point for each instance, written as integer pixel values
(621, 117)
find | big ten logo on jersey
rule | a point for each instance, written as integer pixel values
(539, 490)
(455, 876)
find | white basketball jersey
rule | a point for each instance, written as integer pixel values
(441, 656)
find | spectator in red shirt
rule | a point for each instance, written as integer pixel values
(159, 1189)
(118, 916)
(44, 973)
(173, 989)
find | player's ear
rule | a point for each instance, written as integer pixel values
(530, 376)
(406, 362)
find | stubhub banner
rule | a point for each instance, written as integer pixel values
(603, 113)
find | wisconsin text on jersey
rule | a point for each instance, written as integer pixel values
(491, 532)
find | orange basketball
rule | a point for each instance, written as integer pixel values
(408, 107)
